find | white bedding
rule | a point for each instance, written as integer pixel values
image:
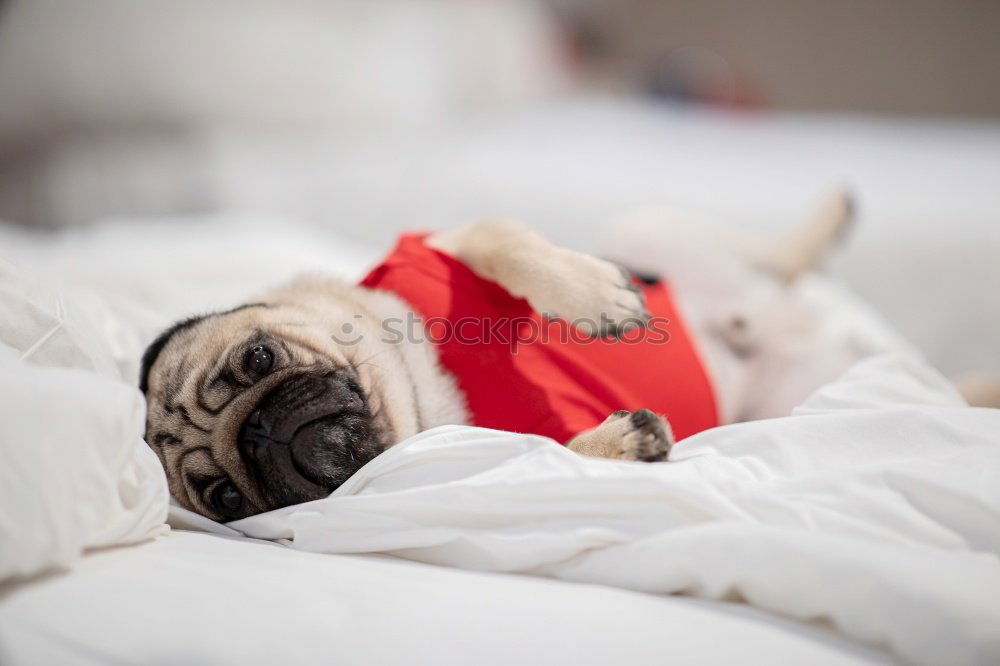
(190, 598)
(874, 509)
(75, 473)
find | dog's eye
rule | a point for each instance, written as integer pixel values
(227, 499)
(258, 361)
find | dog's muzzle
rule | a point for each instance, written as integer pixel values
(307, 436)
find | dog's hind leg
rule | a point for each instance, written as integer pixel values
(806, 246)
(687, 244)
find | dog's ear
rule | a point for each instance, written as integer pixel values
(805, 247)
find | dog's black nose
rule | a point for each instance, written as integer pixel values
(307, 436)
(297, 402)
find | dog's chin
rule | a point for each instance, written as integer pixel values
(307, 436)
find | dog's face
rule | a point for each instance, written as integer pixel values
(260, 407)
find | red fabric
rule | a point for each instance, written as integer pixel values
(557, 387)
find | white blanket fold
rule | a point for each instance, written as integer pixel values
(875, 507)
(75, 473)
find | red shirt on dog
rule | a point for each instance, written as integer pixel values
(524, 373)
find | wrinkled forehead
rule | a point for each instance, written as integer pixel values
(196, 342)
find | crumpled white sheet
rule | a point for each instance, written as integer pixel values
(75, 472)
(876, 507)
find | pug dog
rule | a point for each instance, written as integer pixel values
(260, 406)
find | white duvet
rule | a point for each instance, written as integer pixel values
(75, 473)
(876, 506)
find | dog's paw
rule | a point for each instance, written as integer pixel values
(596, 296)
(648, 438)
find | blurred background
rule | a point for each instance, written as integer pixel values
(359, 119)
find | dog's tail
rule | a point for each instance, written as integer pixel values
(804, 248)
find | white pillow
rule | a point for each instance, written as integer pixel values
(75, 472)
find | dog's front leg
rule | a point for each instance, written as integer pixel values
(595, 295)
(625, 435)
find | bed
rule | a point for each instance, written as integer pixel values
(197, 598)
(910, 476)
